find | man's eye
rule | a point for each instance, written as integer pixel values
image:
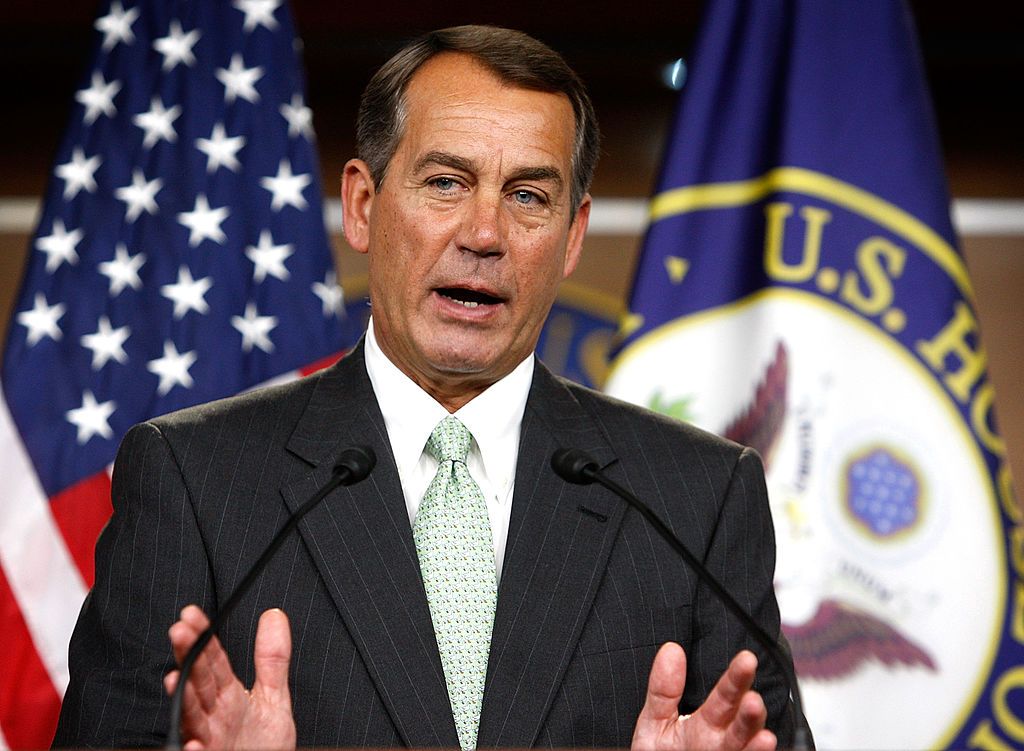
(525, 197)
(444, 183)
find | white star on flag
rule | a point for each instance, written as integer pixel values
(158, 123)
(91, 418)
(107, 343)
(255, 329)
(187, 293)
(203, 222)
(172, 368)
(286, 187)
(123, 271)
(151, 232)
(268, 258)
(140, 195)
(221, 150)
(177, 46)
(78, 173)
(42, 320)
(331, 295)
(116, 26)
(258, 13)
(239, 81)
(59, 247)
(98, 98)
(299, 117)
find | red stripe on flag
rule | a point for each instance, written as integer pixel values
(80, 513)
(323, 362)
(29, 704)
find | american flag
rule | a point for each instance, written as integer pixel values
(181, 256)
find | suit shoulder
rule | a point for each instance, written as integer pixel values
(241, 408)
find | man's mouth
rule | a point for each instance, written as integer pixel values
(468, 297)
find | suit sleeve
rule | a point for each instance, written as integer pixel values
(150, 562)
(741, 554)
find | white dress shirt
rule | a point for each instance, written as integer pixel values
(494, 418)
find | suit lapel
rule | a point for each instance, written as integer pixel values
(361, 542)
(560, 537)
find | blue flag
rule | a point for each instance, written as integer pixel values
(800, 291)
(181, 256)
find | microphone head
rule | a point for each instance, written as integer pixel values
(357, 462)
(574, 466)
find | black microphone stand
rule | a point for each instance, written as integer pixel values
(575, 466)
(353, 465)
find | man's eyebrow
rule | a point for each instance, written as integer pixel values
(443, 159)
(455, 162)
(538, 174)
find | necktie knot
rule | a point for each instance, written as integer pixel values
(450, 441)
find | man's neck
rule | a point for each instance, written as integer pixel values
(453, 391)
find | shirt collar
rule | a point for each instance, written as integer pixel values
(494, 417)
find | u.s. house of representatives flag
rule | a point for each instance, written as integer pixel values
(181, 256)
(800, 291)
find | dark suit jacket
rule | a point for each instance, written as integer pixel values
(587, 595)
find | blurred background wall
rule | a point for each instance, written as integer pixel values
(973, 54)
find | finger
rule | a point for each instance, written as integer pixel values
(192, 716)
(271, 656)
(722, 704)
(664, 686)
(195, 617)
(195, 718)
(183, 634)
(749, 721)
(211, 672)
(214, 663)
(171, 682)
(191, 623)
(765, 740)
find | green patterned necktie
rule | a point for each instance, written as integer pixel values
(456, 552)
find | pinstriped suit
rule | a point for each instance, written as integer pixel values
(587, 594)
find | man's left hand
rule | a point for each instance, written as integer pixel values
(731, 718)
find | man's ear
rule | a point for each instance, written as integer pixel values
(357, 194)
(577, 230)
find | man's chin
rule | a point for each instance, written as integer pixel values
(473, 360)
(463, 364)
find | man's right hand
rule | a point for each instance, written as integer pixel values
(731, 718)
(217, 712)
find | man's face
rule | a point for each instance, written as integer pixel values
(472, 228)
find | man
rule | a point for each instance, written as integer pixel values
(477, 147)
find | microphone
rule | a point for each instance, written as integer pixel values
(577, 467)
(352, 466)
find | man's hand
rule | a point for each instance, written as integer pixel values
(217, 712)
(731, 718)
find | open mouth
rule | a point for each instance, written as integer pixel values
(468, 297)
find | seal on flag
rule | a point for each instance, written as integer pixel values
(892, 554)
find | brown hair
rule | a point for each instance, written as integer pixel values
(513, 56)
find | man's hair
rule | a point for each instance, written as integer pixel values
(514, 57)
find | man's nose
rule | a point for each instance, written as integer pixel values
(483, 228)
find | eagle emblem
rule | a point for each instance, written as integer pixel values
(839, 637)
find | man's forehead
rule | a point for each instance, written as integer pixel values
(454, 94)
